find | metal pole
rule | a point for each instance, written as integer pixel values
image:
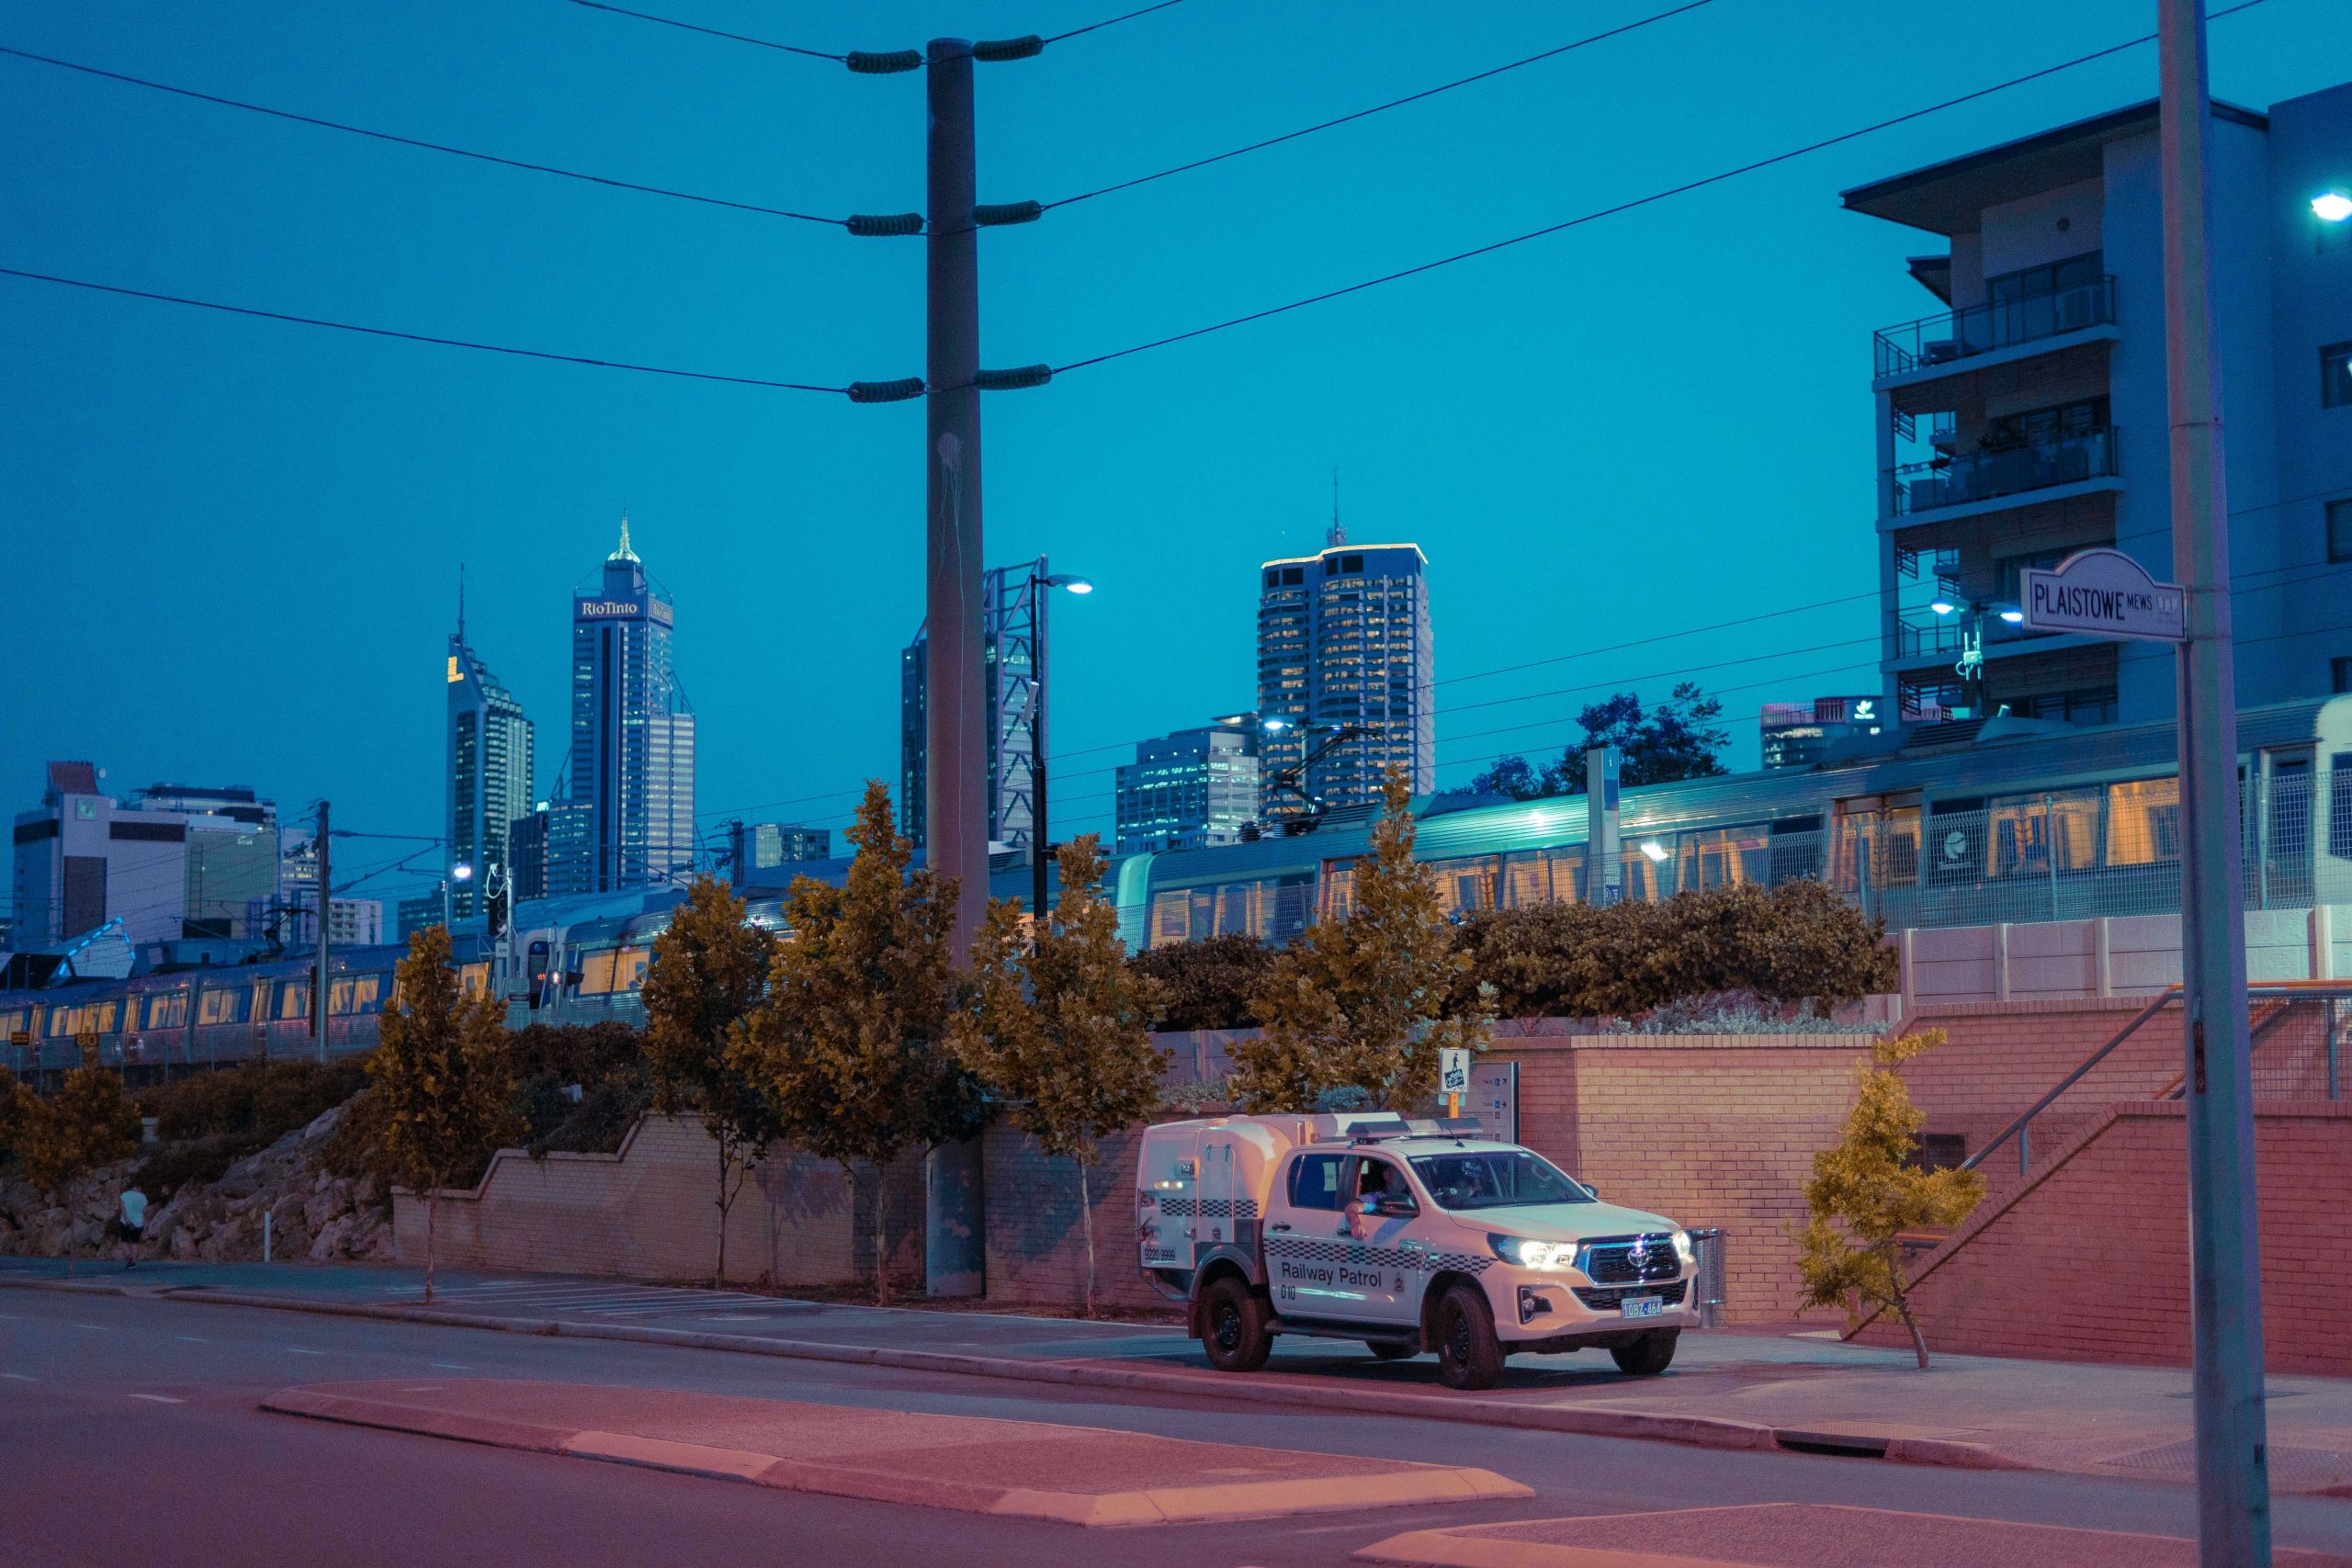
(1040, 845)
(956, 710)
(319, 968)
(2050, 848)
(955, 806)
(2225, 1283)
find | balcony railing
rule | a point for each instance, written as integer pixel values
(1981, 329)
(1918, 632)
(1995, 472)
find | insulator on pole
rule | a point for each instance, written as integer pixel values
(1025, 47)
(885, 392)
(1005, 212)
(890, 63)
(1013, 380)
(885, 223)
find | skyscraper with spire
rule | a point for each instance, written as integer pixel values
(489, 778)
(1345, 669)
(624, 816)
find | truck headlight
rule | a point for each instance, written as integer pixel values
(1683, 1249)
(1545, 1255)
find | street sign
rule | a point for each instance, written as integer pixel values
(1452, 1077)
(2103, 594)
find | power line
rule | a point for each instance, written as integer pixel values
(414, 337)
(414, 141)
(1379, 108)
(1629, 206)
(1112, 21)
(711, 32)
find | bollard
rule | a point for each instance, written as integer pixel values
(1709, 1280)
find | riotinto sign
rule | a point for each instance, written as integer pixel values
(2105, 593)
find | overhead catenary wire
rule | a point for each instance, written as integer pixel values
(1260, 145)
(1112, 21)
(419, 142)
(414, 337)
(711, 32)
(1630, 205)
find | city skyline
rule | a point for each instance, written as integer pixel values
(766, 505)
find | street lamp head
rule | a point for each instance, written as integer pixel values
(2332, 206)
(462, 871)
(1274, 726)
(1943, 606)
(1063, 580)
(2012, 614)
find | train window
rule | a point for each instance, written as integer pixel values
(2026, 830)
(628, 968)
(216, 1007)
(2143, 822)
(2339, 805)
(293, 999)
(596, 973)
(1169, 922)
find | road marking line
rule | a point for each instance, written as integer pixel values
(298, 1350)
(451, 1365)
(159, 1398)
(193, 1339)
(97, 1327)
(18, 1377)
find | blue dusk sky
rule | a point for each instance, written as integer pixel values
(233, 544)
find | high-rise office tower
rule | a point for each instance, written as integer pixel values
(1344, 674)
(1008, 633)
(1190, 790)
(628, 818)
(490, 774)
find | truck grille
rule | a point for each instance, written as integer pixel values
(1605, 1298)
(1631, 1260)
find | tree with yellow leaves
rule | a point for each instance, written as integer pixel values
(442, 1074)
(1868, 1190)
(1058, 1026)
(1366, 999)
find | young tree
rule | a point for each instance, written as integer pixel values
(88, 1122)
(1867, 1192)
(708, 970)
(1060, 1029)
(850, 1046)
(1367, 999)
(442, 1076)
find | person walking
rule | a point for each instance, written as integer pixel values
(132, 1227)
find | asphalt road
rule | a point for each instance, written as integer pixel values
(129, 1435)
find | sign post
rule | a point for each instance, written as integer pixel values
(1452, 1077)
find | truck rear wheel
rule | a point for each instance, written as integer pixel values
(1233, 1327)
(1468, 1354)
(1649, 1355)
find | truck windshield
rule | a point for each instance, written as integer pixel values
(1497, 1179)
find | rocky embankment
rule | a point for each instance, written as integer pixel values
(312, 1212)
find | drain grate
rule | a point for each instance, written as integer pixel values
(2291, 1469)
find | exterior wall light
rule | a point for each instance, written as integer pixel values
(2332, 207)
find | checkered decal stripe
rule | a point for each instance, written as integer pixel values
(1212, 1209)
(1412, 1258)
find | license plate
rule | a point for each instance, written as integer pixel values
(1641, 1306)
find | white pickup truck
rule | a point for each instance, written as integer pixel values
(1409, 1236)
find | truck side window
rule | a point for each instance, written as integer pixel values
(1315, 1182)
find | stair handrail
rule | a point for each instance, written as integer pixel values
(2017, 1129)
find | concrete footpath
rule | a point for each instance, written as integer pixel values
(1791, 1388)
(1080, 1475)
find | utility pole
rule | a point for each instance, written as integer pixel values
(2226, 1280)
(319, 970)
(1040, 845)
(956, 806)
(735, 861)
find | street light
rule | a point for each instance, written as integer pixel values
(1039, 845)
(2332, 206)
(1971, 667)
(461, 872)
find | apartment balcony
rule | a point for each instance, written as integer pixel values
(2001, 330)
(1923, 634)
(1991, 478)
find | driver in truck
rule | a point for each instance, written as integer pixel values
(1381, 1193)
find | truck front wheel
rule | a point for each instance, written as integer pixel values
(1233, 1327)
(1468, 1354)
(1649, 1355)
